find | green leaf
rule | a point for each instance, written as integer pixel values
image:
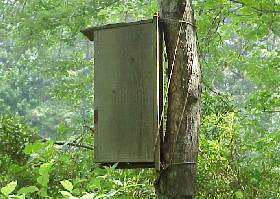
(45, 168)
(9, 188)
(43, 192)
(66, 194)
(94, 183)
(101, 196)
(27, 190)
(118, 182)
(115, 165)
(67, 185)
(239, 194)
(33, 147)
(88, 196)
(19, 197)
(43, 180)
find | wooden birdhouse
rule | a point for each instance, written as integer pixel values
(127, 93)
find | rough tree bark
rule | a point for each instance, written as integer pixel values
(180, 144)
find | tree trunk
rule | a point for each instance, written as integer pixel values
(180, 145)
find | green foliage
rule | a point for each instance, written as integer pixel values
(46, 78)
(43, 178)
(50, 165)
(67, 185)
(14, 135)
(28, 190)
(240, 101)
(9, 188)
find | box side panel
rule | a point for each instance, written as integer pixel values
(125, 98)
(158, 128)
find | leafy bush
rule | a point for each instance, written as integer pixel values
(14, 135)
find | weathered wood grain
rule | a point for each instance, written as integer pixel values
(126, 80)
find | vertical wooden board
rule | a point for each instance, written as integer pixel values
(159, 63)
(126, 93)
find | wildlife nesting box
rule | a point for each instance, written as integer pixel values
(127, 93)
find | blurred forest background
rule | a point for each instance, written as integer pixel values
(46, 99)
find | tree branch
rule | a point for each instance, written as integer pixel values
(74, 144)
(79, 145)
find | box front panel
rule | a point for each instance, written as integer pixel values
(125, 84)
